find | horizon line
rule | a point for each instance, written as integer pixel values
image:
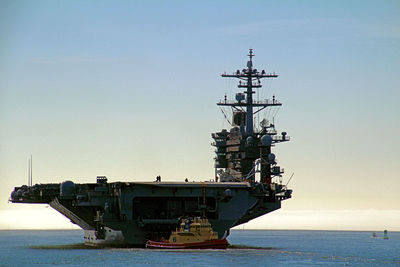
(232, 229)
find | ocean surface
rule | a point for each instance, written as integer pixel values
(250, 248)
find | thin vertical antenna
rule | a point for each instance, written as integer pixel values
(31, 169)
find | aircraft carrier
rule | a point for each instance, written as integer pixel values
(247, 182)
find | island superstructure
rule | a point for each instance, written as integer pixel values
(130, 213)
(241, 150)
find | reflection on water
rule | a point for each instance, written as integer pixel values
(249, 248)
(83, 246)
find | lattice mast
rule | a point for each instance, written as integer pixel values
(252, 80)
(240, 150)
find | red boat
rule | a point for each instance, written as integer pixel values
(210, 244)
(192, 234)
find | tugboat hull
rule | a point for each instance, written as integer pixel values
(209, 244)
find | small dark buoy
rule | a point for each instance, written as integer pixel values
(385, 236)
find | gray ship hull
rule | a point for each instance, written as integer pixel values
(132, 213)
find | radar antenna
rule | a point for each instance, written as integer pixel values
(245, 147)
(251, 79)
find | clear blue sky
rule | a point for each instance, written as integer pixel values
(127, 89)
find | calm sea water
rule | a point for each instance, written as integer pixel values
(253, 248)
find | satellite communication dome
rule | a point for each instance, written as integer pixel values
(271, 158)
(67, 188)
(266, 140)
(250, 140)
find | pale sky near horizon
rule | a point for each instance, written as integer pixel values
(127, 89)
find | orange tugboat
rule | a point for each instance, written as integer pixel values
(193, 233)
